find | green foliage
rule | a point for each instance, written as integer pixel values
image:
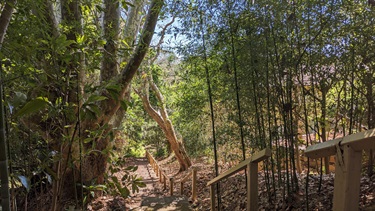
(32, 106)
(134, 149)
(161, 151)
(91, 189)
(307, 61)
(140, 129)
(128, 182)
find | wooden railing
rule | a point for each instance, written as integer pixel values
(163, 177)
(193, 175)
(348, 152)
(251, 166)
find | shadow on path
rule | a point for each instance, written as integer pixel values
(146, 199)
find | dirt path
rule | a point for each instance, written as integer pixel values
(149, 177)
(150, 198)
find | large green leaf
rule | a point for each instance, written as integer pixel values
(114, 91)
(33, 106)
(95, 98)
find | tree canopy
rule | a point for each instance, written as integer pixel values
(79, 75)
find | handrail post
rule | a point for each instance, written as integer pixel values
(252, 186)
(348, 152)
(171, 181)
(163, 177)
(212, 194)
(251, 166)
(347, 180)
(181, 188)
(165, 182)
(194, 185)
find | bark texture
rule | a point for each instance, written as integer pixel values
(72, 169)
(111, 106)
(5, 17)
(94, 165)
(164, 122)
(111, 34)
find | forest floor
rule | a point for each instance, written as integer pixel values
(233, 190)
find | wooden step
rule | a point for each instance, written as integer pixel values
(164, 204)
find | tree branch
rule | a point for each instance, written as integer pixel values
(131, 68)
(161, 40)
(111, 106)
(150, 110)
(159, 96)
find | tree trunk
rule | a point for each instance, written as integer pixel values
(94, 165)
(5, 17)
(323, 124)
(109, 67)
(164, 123)
(130, 33)
(70, 169)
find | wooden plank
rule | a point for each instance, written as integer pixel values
(358, 141)
(230, 172)
(347, 180)
(362, 140)
(257, 157)
(364, 144)
(261, 155)
(252, 187)
(324, 149)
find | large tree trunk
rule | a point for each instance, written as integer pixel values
(164, 122)
(109, 67)
(130, 34)
(64, 130)
(94, 165)
(65, 139)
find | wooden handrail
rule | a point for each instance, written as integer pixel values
(193, 175)
(259, 156)
(251, 166)
(163, 177)
(348, 151)
(357, 141)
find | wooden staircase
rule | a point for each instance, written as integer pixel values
(164, 204)
(151, 173)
